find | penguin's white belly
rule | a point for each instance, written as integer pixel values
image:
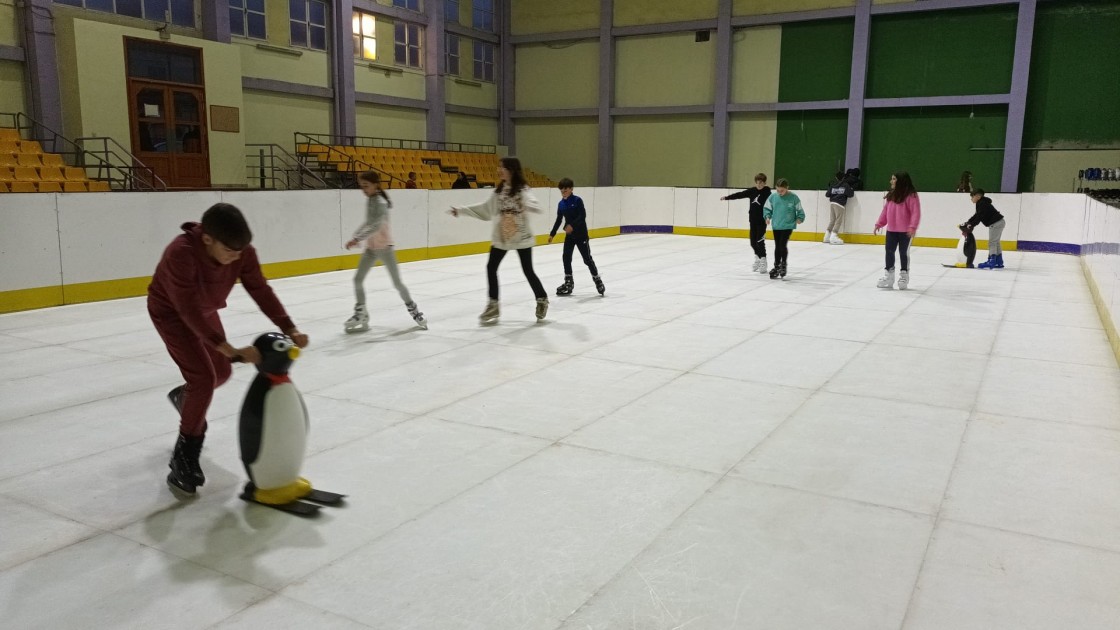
(283, 438)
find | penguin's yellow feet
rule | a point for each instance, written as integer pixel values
(284, 494)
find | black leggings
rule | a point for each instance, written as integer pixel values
(781, 251)
(584, 250)
(758, 234)
(526, 256)
(900, 241)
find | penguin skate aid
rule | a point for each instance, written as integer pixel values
(273, 432)
(213, 254)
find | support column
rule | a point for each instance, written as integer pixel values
(720, 119)
(606, 94)
(506, 102)
(1017, 106)
(857, 90)
(215, 20)
(42, 64)
(434, 72)
(344, 122)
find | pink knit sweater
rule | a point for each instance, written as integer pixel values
(901, 217)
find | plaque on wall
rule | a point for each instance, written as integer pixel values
(224, 118)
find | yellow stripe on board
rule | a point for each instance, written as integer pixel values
(1102, 310)
(27, 299)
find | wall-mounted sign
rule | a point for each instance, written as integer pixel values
(224, 118)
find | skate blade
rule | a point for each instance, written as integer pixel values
(325, 497)
(298, 508)
(180, 492)
(358, 329)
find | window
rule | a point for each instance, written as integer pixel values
(484, 61)
(411, 5)
(308, 19)
(452, 54)
(484, 15)
(365, 36)
(406, 44)
(177, 12)
(451, 11)
(246, 18)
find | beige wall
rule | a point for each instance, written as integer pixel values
(272, 118)
(669, 69)
(9, 24)
(556, 77)
(751, 144)
(764, 7)
(309, 67)
(663, 151)
(484, 94)
(546, 16)
(629, 12)
(560, 147)
(1056, 171)
(380, 121)
(95, 96)
(11, 88)
(755, 62)
(471, 129)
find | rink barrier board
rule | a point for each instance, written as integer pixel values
(1102, 310)
(857, 239)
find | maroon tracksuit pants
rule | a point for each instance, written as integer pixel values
(204, 368)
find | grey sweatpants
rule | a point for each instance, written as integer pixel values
(836, 217)
(388, 258)
(995, 231)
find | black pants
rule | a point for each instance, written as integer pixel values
(901, 242)
(584, 250)
(758, 233)
(526, 256)
(781, 251)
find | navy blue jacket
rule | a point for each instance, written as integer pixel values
(986, 213)
(571, 212)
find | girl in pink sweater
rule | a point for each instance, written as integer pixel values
(901, 214)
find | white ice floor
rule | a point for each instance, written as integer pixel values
(703, 448)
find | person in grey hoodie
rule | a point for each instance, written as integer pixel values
(838, 193)
(379, 246)
(508, 209)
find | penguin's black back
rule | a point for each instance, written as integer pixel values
(252, 420)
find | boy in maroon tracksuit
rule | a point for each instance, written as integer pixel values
(191, 283)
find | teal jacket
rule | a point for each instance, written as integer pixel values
(783, 211)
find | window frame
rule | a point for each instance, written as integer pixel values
(405, 4)
(245, 11)
(453, 52)
(447, 12)
(482, 62)
(361, 36)
(487, 13)
(418, 45)
(308, 25)
(167, 6)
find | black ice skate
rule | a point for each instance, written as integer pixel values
(186, 473)
(566, 288)
(599, 286)
(774, 272)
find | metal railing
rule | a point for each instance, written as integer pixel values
(345, 165)
(392, 143)
(271, 167)
(107, 160)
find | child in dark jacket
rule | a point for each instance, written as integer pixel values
(987, 214)
(573, 214)
(190, 285)
(838, 193)
(757, 196)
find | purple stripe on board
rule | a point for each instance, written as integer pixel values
(1053, 248)
(646, 229)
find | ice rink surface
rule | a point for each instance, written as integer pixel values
(702, 448)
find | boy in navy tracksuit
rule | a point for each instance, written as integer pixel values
(570, 210)
(758, 196)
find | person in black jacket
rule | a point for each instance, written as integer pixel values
(838, 193)
(758, 196)
(987, 214)
(571, 211)
(461, 181)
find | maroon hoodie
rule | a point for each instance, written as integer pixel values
(189, 284)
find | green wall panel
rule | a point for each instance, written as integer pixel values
(934, 144)
(663, 151)
(751, 147)
(942, 53)
(756, 61)
(816, 60)
(810, 147)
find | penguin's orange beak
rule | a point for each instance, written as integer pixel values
(293, 353)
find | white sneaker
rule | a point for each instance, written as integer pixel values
(836, 240)
(762, 265)
(754, 266)
(887, 281)
(827, 234)
(903, 280)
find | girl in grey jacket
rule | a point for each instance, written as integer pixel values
(507, 208)
(379, 246)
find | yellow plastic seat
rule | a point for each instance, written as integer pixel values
(51, 174)
(30, 146)
(6, 174)
(53, 159)
(3, 187)
(99, 187)
(7, 134)
(75, 174)
(22, 187)
(73, 187)
(25, 174)
(29, 159)
(50, 187)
